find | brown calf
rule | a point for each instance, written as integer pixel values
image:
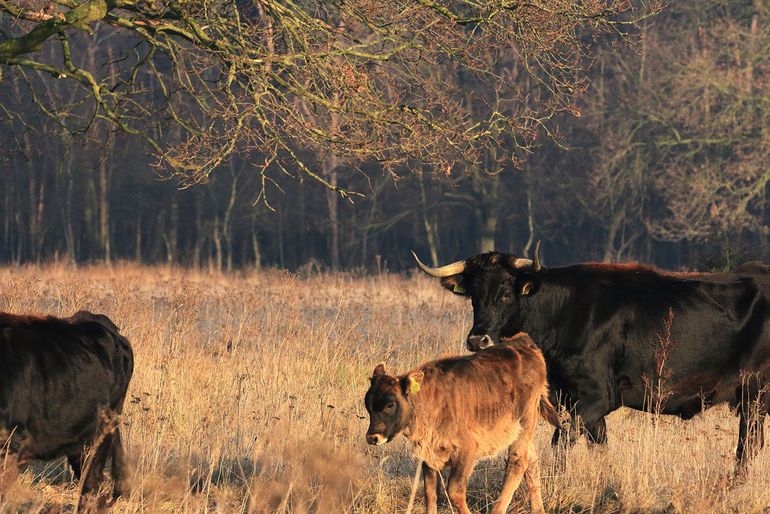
(459, 409)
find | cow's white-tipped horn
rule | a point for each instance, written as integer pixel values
(520, 262)
(536, 257)
(443, 271)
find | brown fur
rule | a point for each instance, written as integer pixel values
(475, 406)
(753, 267)
(621, 266)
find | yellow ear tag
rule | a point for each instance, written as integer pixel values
(414, 386)
(458, 289)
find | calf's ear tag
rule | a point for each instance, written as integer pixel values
(458, 289)
(414, 386)
(526, 289)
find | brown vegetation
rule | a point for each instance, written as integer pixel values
(667, 163)
(352, 81)
(247, 397)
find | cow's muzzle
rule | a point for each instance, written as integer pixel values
(376, 439)
(476, 342)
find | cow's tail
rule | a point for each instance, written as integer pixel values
(548, 411)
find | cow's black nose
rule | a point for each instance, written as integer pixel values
(377, 439)
(476, 342)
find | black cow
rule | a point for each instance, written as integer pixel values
(58, 379)
(602, 329)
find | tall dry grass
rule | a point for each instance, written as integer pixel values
(248, 397)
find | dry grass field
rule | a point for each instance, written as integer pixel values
(248, 397)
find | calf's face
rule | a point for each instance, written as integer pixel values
(387, 402)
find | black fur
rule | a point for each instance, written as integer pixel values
(602, 331)
(58, 376)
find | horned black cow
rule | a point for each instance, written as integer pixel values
(602, 330)
(57, 375)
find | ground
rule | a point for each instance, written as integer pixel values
(248, 397)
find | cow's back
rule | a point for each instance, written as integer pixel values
(603, 345)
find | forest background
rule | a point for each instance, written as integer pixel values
(623, 132)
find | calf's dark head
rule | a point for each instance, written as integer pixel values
(387, 402)
(497, 284)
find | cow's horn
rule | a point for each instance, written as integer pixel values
(520, 262)
(536, 257)
(443, 271)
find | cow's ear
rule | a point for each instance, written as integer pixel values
(527, 285)
(379, 369)
(412, 382)
(455, 283)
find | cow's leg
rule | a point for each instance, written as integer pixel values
(430, 481)
(462, 466)
(119, 466)
(95, 468)
(596, 430)
(76, 463)
(751, 436)
(752, 406)
(92, 476)
(519, 457)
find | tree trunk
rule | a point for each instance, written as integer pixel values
(329, 166)
(216, 236)
(138, 233)
(32, 207)
(104, 196)
(302, 249)
(488, 229)
(66, 207)
(530, 217)
(281, 261)
(612, 233)
(430, 228)
(487, 192)
(255, 241)
(7, 221)
(199, 233)
(227, 222)
(32, 229)
(370, 220)
(173, 230)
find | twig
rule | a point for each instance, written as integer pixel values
(414, 487)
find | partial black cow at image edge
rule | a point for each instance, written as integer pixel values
(63, 381)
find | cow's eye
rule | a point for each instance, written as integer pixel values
(389, 407)
(507, 294)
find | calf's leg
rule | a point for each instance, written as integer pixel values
(430, 481)
(462, 466)
(532, 477)
(520, 455)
